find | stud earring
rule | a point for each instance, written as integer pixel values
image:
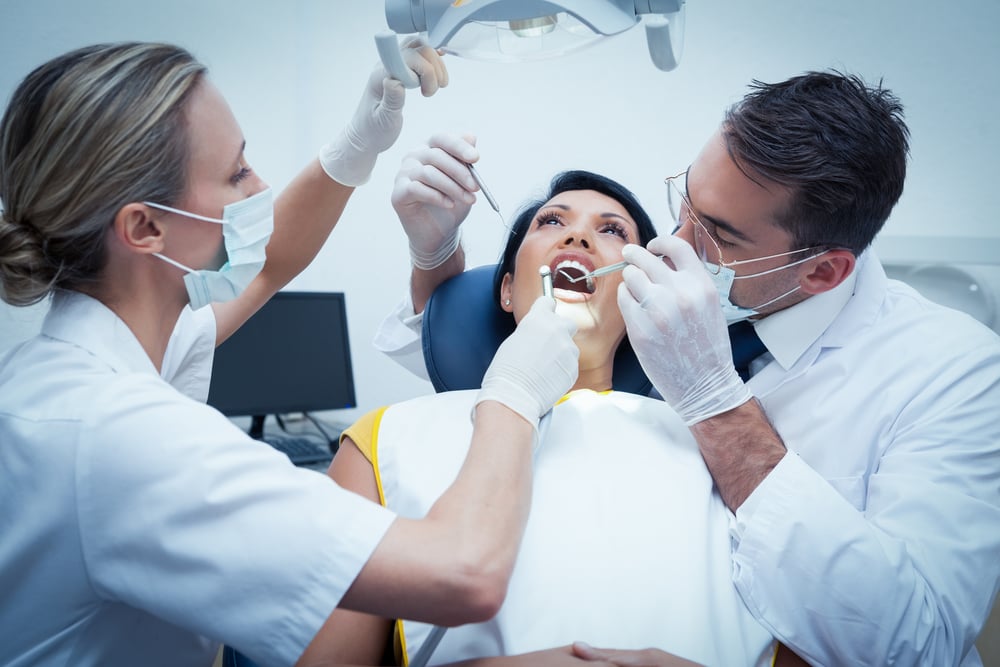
(507, 302)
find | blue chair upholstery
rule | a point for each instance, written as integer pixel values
(462, 329)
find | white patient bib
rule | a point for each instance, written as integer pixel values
(627, 544)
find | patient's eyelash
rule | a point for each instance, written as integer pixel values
(617, 229)
(546, 217)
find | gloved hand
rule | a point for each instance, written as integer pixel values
(432, 196)
(535, 366)
(678, 331)
(350, 158)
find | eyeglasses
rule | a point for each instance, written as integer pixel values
(705, 244)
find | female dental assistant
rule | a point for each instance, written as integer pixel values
(139, 524)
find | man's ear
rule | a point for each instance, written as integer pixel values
(829, 270)
(506, 287)
(137, 230)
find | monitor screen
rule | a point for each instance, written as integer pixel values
(291, 356)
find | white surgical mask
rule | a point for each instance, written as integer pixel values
(723, 279)
(246, 229)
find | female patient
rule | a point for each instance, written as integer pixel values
(627, 545)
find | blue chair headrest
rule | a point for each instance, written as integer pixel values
(463, 327)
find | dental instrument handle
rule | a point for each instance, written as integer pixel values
(392, 59)
(482, 188)
(546, 274)
(604, 270)
(427, 648)
(610, 268)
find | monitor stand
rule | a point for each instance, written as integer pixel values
(257, 427)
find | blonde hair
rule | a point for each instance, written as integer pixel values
(84, 134)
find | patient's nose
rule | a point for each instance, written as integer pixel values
(577, 239)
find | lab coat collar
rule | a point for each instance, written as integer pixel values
(789, 333)
(83, 321)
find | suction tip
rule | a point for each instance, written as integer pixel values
(546, 273)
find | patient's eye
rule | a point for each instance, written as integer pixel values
(616, 228)
(548, 218)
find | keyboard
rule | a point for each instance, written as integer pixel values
(302, 450)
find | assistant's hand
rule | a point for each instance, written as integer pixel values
(432, 195)
(536, 365)
(649, 657)
(678, 331)
(377, 121)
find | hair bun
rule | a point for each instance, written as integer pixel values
(25, 275)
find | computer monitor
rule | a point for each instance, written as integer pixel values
(293, 355)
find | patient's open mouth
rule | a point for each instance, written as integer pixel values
(566, 275)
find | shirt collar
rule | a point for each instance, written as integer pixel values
(84, 321)
(788, 333)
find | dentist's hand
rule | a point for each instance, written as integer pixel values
(377, 121)
(678, 331)
(536, 365)
(432, 196)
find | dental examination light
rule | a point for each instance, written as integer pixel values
(520, 30)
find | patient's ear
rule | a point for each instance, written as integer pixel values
(829, 270)
(506, 287)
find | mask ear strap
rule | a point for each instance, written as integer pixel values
(780, 268)
(777, 298)
(175, 263)
(184, 213)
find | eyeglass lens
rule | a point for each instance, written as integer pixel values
(704, 245)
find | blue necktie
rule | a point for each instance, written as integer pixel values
(746, 345)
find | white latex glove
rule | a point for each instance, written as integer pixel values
(678, 331)
(350, 158)
(536, 365)
(432, 195)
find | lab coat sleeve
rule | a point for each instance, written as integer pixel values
(906, 573)
(184, 516)
(399, 337)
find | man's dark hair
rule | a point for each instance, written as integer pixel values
(840, 145)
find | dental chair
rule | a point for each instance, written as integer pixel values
(463, 327)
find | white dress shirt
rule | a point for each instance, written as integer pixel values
(139, 526)
(876, 540)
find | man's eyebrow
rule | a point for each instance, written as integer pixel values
(718, 223)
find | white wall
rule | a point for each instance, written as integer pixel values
(293, 71)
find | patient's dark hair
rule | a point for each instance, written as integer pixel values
(568, 181)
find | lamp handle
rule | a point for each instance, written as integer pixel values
(665, 39)
(392, 59)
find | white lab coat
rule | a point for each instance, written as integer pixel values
(876, 540)
(139, 526)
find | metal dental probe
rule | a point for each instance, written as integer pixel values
(589, 277)
(486, 193)
(597, 273)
